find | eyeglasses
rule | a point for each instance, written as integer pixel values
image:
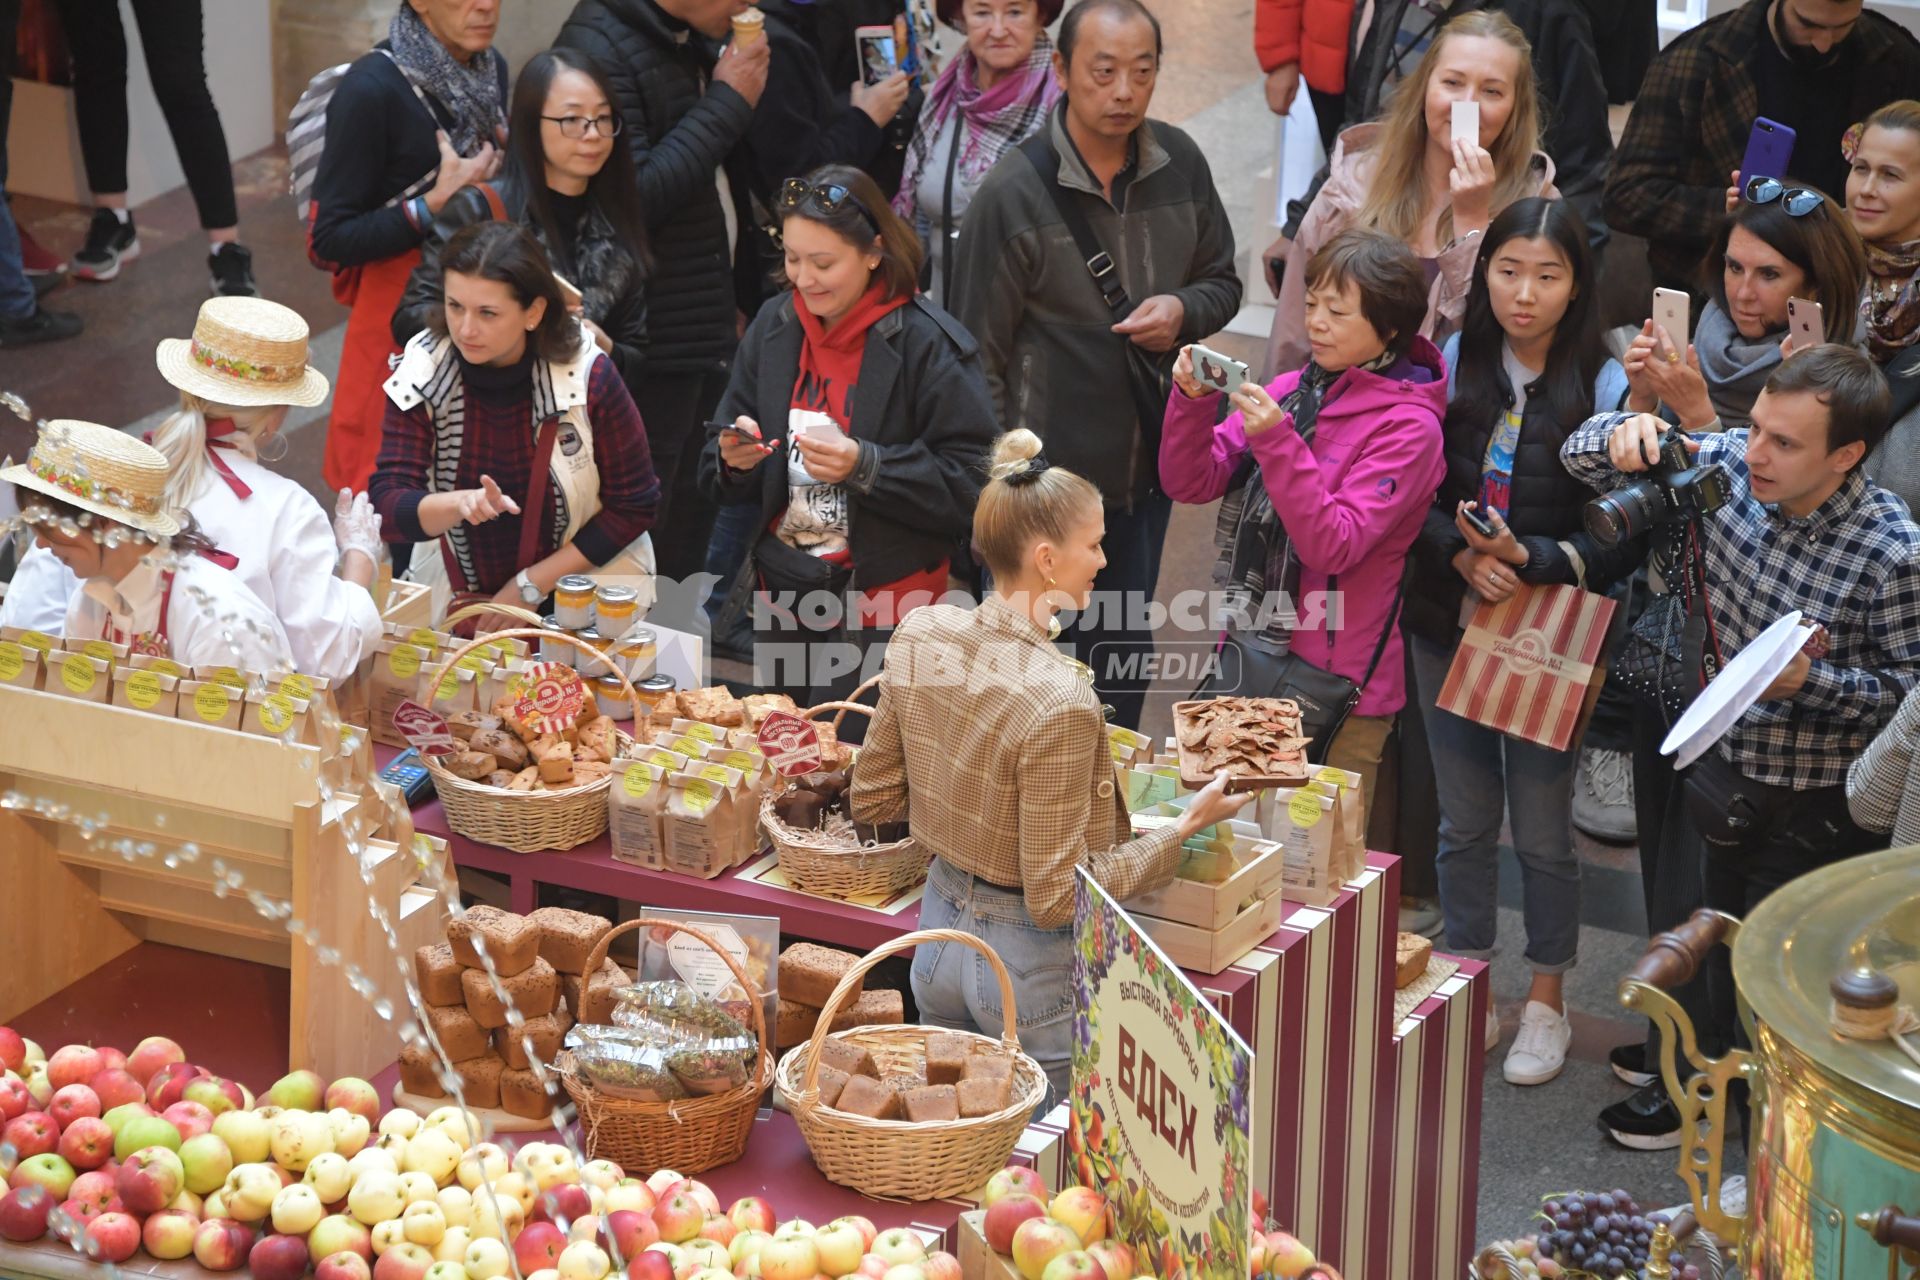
(1799, 201)
(828, 197)
(607, 126)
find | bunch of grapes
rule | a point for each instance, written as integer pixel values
(1603, 1235)
(1527, 1264)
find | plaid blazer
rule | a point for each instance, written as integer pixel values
(1689, 128)
(990, 743)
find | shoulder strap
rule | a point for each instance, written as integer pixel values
(495, 205)
(1393, 620)
(1040, 153)
(949, 325)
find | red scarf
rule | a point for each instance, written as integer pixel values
(830, 358)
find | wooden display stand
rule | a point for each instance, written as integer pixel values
(174, 803)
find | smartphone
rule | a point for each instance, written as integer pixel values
(1807, 322)
(879, 53)
(406, 772)
(1769, 151)
(569, 291)
(729, 434)
(1479, 522)
(1466, 122)
(1670, 308)
(1222, 373)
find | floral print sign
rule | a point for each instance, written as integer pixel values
(1160, 1120)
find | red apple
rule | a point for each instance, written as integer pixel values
(168, 1234)
(77, 1213)
(563, 1200)
(221, 1244)
(941, 1265)
(1004, 1217)
(116, 1086)
(151, 1054)
(190, 1118)
(1038, 1242)
(113, 1237)
(338, 1233)
(1115, 1259)
(73, 1102)
(169, 1084)
(1286, 1255)
(31, 1134)
(1083, 1209)
(95, 1188)
(15, 1099)
(87, 1143)
(23, 1214)
(404, 1261)
(751, 1213)
(343, 1266)
(278, 1258)
(13, 1050)
(1014, 1180)
(629, 1233)
(73, 1064)
(111, 1059)
(1075, 1265)
(868, 1232)
(718, 1228)
(150, 1178)
(356, 1096)
(650, 1266)
(872, 1267)
(538, 1246)
(215, 1094)
(680, 1218)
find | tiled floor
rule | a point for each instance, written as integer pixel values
(1535, 1141)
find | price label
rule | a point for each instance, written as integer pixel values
(638, 780)
(78, 673)
(143, 689)
(698, 965)
(210, 702)
(424, 730)
(790, 744)
(553, 697)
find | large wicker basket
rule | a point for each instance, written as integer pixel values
(901, 1158)
(527, 821)
(689, 1134)
(817, 863)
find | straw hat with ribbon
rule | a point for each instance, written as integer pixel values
(101, 470)
(244, 351)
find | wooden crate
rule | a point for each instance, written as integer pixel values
(1211, 950)
(977, 1261)
(1214, 906)
(409, 605)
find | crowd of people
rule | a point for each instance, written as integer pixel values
(692, 292)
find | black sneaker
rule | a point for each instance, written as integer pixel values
(232, 269)
(41, 326)
(1646, 1121)
(110, 242)
(1629, 1062)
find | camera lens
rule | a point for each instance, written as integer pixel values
(1615, 517)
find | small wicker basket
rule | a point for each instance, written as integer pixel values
(818, 863)
(903, 1159)
(527, 821)
(688, 1134)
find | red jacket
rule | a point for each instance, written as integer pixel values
(1313, 33)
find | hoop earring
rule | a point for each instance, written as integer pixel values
(273, 448)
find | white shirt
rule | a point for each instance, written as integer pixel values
(212, 619)
(286, 549)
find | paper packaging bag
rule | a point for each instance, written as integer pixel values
(1525, 665)
(1353, 817)
(232, 677)
(636, 807)
(79, 675)
(395, 679)
(746, 826)
(753, 777)
(453, 689)
(277, 715)
(20, 664)
(148, 690)
(105, 650)
(210, 702)
(700, 826)
(1307, 835)
(671, 761)
(38, 641)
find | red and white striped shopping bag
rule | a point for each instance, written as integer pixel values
(1531, 665)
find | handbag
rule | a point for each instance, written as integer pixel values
(1666, 658)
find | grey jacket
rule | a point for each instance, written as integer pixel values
(1894, 464)
(1053, 363)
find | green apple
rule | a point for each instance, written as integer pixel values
(207, 1161)
(247, 1135)
(145, 1131)
(117, 1117)
(298, 1091)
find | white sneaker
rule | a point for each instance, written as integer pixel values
(1493, 1027)
(1540, 1050)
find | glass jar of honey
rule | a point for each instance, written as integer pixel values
(573, 601)
(637, 652)
(615, 609)
(653, 689)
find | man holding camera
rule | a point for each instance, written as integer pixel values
(1783, 519)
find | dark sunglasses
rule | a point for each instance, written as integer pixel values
(1799, 201)
(827, 197)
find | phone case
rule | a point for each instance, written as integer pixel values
(1769, 151)
(1670, 308)
(1466, 122)
(1807, 322)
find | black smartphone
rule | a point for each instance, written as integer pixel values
(1479, 522)
(406, 772)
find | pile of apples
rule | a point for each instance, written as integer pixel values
(1276, 1255)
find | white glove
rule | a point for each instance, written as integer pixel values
(356, 525)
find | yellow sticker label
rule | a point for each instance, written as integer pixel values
(448, 686)
(143, 689)
(667, 759)
(36, 640)
(230, 677)
(699, 796)
(77, 673)
(686, 746)
(472, 662)
(1116, 749)
(638, 780)
(424, 637)
(165, 667)
(745, 761)
(98, 649)
(297, 686)
(715, 773)
(211, 701)
(13, 660)
(1331, 776)
(704, 732)
(504, 650)
(404, 661)
(276, 713)
(1305, 809)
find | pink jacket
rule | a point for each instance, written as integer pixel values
(1352, 501)
(1337, 208)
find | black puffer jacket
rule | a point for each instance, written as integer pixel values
(920, 412)
(679, 136)
(799, 125)
(1544, 512)
(611, 279)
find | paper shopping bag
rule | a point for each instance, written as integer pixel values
(1527, 665)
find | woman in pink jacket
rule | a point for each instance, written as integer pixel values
(1327, 473)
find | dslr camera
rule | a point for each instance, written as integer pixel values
(1675, 490)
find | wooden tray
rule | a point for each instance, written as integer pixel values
(1211, 950)
(977, 1261)
(1194, 776)
(1214, 906)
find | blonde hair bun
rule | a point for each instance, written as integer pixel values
(1012, 453)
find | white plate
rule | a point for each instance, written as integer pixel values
(1729, 695)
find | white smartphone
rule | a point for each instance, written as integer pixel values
(879, 53)
(1806, 322)
(1466, 122)
(569, 291)
(1670, 308)
(1222, 373)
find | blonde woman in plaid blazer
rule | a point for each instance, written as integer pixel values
(990, 743)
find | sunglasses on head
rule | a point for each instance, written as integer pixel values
(827, 197)
(1798, 201)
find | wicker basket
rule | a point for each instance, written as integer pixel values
(820, 864)
(527, 821)
(688, 1134)
(900, 1158)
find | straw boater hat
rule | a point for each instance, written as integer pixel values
(100, 470)
(244, 351)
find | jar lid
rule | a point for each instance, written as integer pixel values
(617, 595)
(657, 684)
(552, 622)
(639, 635)
(587, 634)
(609, 684)
(573, 582)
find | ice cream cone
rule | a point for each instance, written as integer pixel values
(748, 27)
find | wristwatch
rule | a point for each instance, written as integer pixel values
(529, 593)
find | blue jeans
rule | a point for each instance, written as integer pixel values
(1483, 776)
(955, 986)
